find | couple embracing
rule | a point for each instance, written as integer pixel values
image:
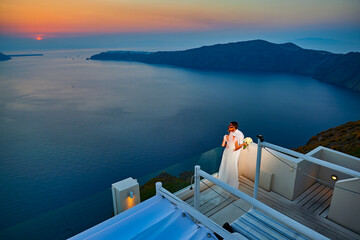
(232, 142)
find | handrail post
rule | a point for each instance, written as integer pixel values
(258, 162)
(158, 186)
(197, 187)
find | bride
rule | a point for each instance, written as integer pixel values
(228, 171)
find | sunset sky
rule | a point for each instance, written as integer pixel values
(50, 19)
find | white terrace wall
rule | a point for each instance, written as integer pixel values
(284, 178)
(345, 205)
(303, 181)
(345, 202)
(337, 158)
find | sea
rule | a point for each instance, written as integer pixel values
(70, 127)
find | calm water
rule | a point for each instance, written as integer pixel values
(70, 127)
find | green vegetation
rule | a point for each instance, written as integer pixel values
(344, 138)
(171, 183)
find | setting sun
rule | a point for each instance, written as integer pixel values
(39, 38)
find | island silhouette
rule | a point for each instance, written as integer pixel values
(255, 55)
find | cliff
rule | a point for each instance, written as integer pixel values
(256, 55)
(344, 138)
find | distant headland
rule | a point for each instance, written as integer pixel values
(26, 55)
(255, 55)
(4, 57)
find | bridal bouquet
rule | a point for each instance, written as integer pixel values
(247, 140)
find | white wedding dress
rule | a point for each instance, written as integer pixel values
(228, 171)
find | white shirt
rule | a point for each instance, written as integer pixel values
(239, 135)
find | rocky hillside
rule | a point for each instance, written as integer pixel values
(344, 138)
(256, 55)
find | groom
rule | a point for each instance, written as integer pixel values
(238, 134)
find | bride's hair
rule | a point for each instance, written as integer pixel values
(235, 124)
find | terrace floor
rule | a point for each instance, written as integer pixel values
(309, 209)
(316, 199)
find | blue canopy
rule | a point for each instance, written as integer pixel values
(155, 218)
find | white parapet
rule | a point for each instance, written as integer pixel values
(275, 175)
(345, 204)
(126, 194)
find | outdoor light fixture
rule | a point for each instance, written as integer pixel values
(126, 194)
(131, 194)
(334, 177)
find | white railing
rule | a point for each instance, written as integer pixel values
(255, 203)
(311, 159)
(199, 217)
(317, 161)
